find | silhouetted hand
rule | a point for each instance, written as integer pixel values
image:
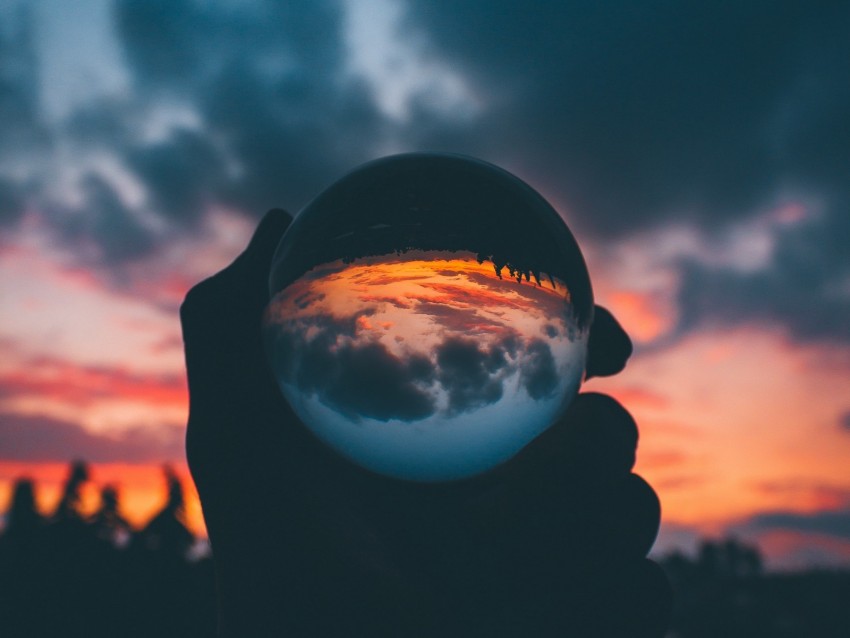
(307, 544)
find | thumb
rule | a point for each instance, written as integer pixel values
(241, 289)
(609, 347)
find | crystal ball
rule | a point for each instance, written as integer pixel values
(428, 316)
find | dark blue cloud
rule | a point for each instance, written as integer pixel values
(829, 523)
(355, 379)
(634, 116)
(844, 421)
(269, 80)
(360, 369)
(325, 356)
(103, 228)
(182, 174)
(41, 438)
(273, 118)
(639, 115)
(470, 373)
(22, 135)
(803, 287)
(11, 202)
(19, 82)
(539, 376)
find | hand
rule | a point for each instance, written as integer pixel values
(551, 543)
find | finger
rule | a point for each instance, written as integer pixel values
(625, 520)
(591, 447)
(588, 534)
(608, 523)
(634, 602)
(599, 436)
(609, 347)
(574, 488)
(595, 440)
(226, 368)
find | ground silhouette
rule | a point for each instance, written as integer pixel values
(724, 591)
(68, 574)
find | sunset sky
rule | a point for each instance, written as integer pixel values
(700, 152)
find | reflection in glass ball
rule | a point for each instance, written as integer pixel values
(429, 316)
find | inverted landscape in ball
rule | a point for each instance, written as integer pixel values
(429, 316)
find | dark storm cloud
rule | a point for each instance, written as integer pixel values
(844, 421)
(471, 375)
(344, 376)
(175, 42)
(99, 229)
(269, 79)
(11, 202)
(632, 115)
(104, 229)
(21, 133)
(165, 41)
(181, 175)
(804, 288)
(331, 358)
(829, 523)
(363, 368)
(272, 117)
(635, 113)
(639, 114)
(40, 438)
(539, 376)
(19, 82)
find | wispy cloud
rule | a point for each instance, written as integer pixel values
(39, 438)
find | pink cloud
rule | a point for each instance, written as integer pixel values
(82, 385)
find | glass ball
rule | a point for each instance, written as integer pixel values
(429, 316)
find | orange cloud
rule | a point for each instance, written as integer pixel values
(805, 496)
(423, 292)
(635, 395)
(752, 418)
(640, 314)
